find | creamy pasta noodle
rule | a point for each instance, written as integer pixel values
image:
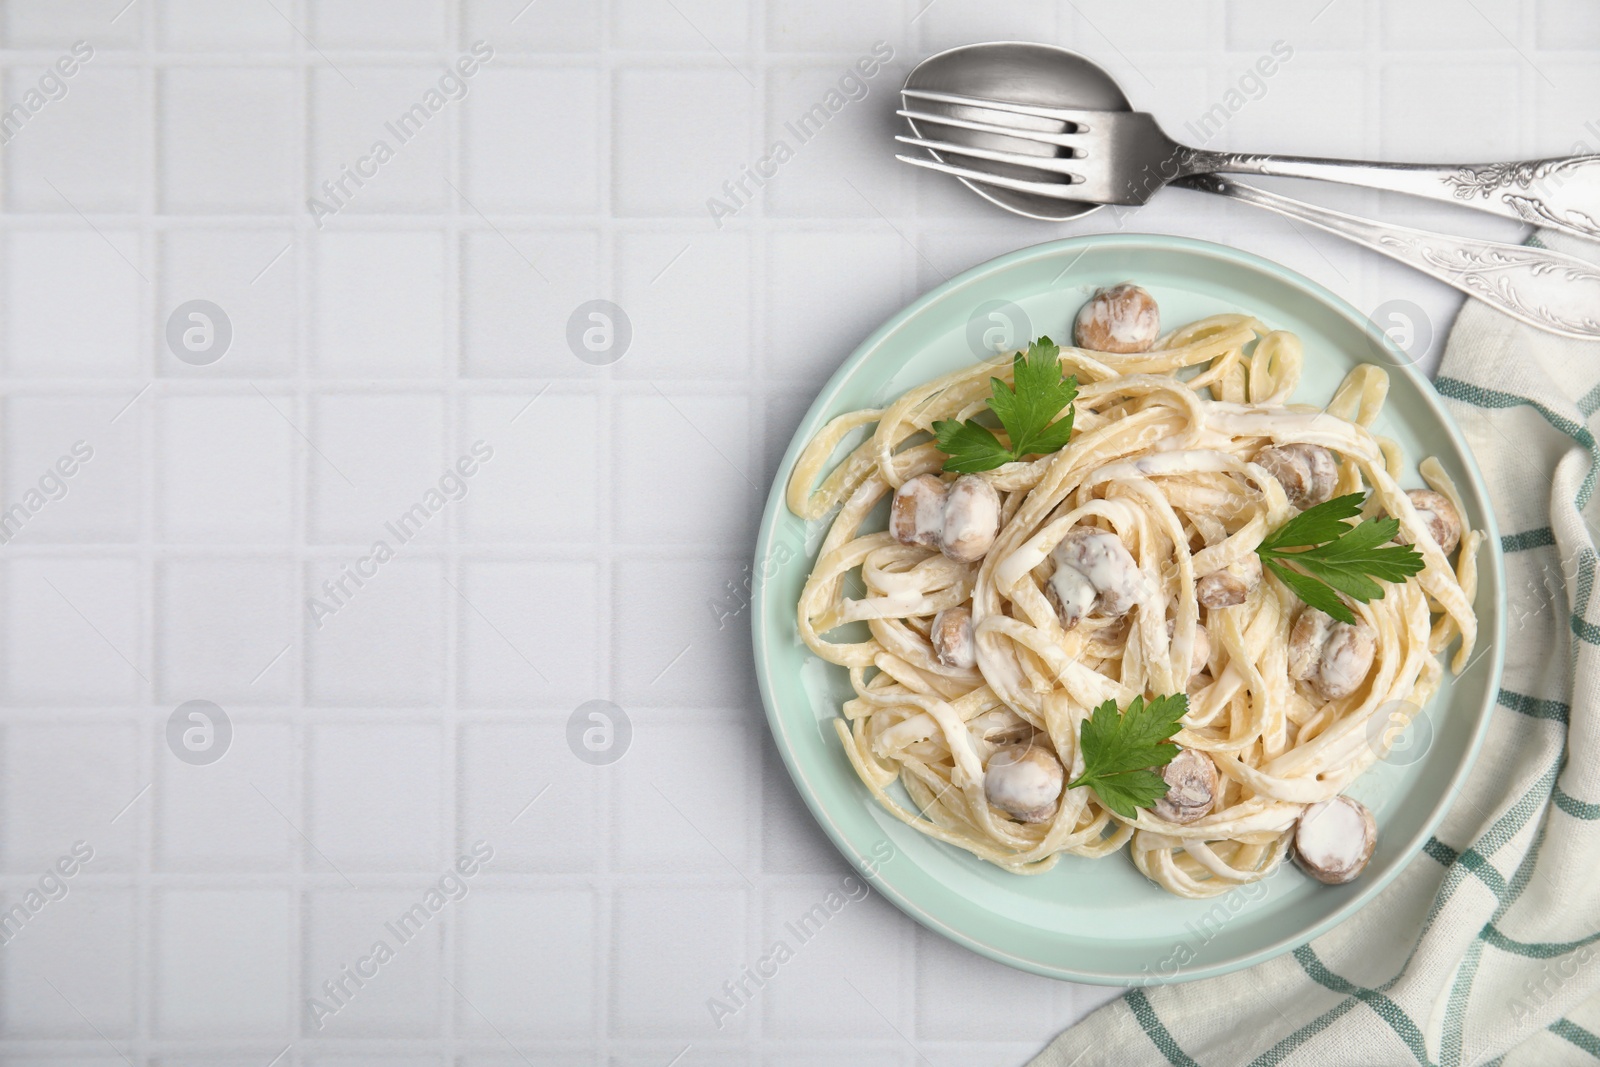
(1002, 607)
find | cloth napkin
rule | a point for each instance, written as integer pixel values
(1484, 950)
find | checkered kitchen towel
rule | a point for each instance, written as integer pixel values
(1486, 948)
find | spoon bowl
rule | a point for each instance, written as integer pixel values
(1026, 73)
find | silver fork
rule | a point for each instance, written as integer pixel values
(1544, 288)
(1129, 158)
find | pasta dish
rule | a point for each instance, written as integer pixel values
(1161, 558)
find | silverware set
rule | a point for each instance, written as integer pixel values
(1042, 132)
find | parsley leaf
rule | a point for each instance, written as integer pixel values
(972, 447)
(1038, 394)
(1311, 591)
(1120, 750)
(1337, 557)
(1317, 524)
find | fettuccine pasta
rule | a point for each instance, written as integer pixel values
(1163, 455)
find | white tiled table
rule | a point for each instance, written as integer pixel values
(600, 553)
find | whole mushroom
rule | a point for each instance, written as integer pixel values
(1192, 790)
(1334, 839)
(1332, 657)
(1024, 781)
(1123, 318)
(961, 519)
(971, 519)
(1439, 515)
(1306, 472)
(916, 515)
(1094, 572)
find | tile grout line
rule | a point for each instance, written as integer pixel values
(423, 56)
(450, 777)
(300, 770)
(149, 822)
(604, 953)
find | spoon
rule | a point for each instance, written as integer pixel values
(998, 97)
(1022, 172)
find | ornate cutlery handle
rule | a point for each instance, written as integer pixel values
(1561, 193)
(1552, 291)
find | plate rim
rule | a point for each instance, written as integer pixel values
(776, 502)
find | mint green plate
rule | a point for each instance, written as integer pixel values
(1100, 920)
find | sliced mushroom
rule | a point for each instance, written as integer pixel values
(1334, 838)
(1192, 790)
(1024, 781)
(1306, 472)
(951, 635)
(971, 519)
(1123, 318)
(1436, 511)
(1070, 594)
(1219, 589)
(1086, 560)
(916, 517)
(1306, 638)
(1231, 585)
(1330, 656)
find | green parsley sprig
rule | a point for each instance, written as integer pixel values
(1333, 556)
(1120, 750)
(1026, 409)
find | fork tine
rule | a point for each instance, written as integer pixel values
(1064, 140)
(1086, 119)
(1054, 190)
(1053, 164)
